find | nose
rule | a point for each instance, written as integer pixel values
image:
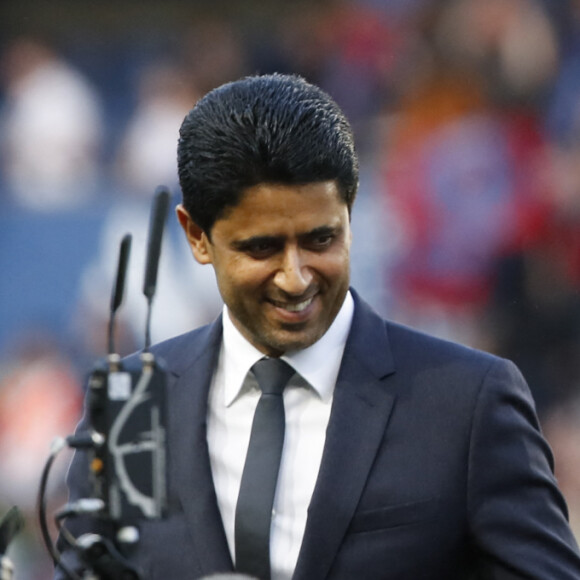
(294, 275)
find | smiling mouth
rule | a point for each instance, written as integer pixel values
(298, 307)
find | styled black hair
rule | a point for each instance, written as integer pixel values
(275, 129)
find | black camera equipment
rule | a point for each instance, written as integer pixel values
(125, 440)
(10, 525)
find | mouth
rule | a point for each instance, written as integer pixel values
(293, 307)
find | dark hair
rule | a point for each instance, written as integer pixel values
(262, 129)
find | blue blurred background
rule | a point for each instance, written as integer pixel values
(467, 225)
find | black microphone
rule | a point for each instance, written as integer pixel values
(10, 525)
(156, 227)
(119, 287)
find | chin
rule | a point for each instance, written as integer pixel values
(282, 345)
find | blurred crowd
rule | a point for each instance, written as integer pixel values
(467, 225)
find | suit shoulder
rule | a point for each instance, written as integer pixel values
(431, 364)
(183, 349)
(375, 340)
(418, 345)
(181, 341)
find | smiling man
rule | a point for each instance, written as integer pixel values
(366, 449)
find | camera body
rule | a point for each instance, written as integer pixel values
(128, 467)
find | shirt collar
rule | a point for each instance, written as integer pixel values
(240, 355)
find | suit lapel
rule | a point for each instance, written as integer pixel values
(191, 469)
(360, 411)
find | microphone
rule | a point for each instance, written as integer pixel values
(156, 226)
(119, 287)
(10, 525)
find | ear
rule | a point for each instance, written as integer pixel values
(197, 238)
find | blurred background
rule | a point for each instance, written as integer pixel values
(467, 224)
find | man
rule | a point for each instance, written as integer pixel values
(405, 456)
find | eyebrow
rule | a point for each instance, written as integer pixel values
(253, 240)
(322, 231)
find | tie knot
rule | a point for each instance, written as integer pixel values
(272, 375)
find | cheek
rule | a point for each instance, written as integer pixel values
(242, 278)
(336, 267)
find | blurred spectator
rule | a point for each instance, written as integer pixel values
(534, 311)
(534, 317)
(148, 149)
(512, 42)
(365, 51)
(51, 129)
(463, 177)
(40, 399)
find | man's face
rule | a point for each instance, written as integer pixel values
(281, 258)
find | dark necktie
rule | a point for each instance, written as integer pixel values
(258, 486)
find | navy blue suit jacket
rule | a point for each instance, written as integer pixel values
(434, 468)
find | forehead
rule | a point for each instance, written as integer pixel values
(272, 207)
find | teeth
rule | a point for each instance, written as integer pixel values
(297, 307)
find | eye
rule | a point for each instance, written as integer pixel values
(260, 248)
(321, 241)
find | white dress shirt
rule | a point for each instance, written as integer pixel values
(307, 402)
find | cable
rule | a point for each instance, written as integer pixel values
(86, 506)
(56, 447)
